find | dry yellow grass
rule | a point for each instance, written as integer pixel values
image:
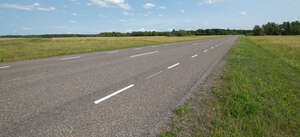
(10, 38)
(13, 49)
(285, 47)
(150, 38)
(293, 41)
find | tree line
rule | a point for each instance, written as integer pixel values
(179, 33)
(271, 28)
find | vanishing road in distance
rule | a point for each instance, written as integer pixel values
(129, 92)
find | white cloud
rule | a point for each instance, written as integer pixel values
(74, 14)
(46, 9)
(149, 5)
(210, 2)
(142, 30)
(34, 6)
(75, 1)
(160, 15)
(163, 7)
(72, 21)
(127, 13)
(18, 7)
(27, 28)
(112, 3)
(182, 11)
(243, 13)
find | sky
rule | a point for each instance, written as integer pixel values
(23, 17)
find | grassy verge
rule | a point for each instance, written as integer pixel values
(257, 96)
(14, 49)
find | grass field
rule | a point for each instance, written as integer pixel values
(14, 49)
(257, 96)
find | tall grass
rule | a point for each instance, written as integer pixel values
(258, 94)
(285, 47)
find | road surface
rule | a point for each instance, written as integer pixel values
(127, 92)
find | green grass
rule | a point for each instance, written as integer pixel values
(257, 96)
(179, 111)
(15, 49)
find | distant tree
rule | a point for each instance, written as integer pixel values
(285, 28)
(295, 28)
(258, 31)
(271, 29)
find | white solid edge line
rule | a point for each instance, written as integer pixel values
(153, 75)
(195, 56)
(3, 67)
(173, 66)
(113, 94)
(143, 54)
(70, 58)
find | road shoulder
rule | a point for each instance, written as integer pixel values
(179, 123)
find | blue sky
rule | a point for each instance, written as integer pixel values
(95, 16)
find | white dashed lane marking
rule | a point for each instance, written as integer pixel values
(153, 75)
(173, 66)
(143, 54)
(113, 94)
(4, 67)
(195, 56)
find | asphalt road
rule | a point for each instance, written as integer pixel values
(115, 93)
